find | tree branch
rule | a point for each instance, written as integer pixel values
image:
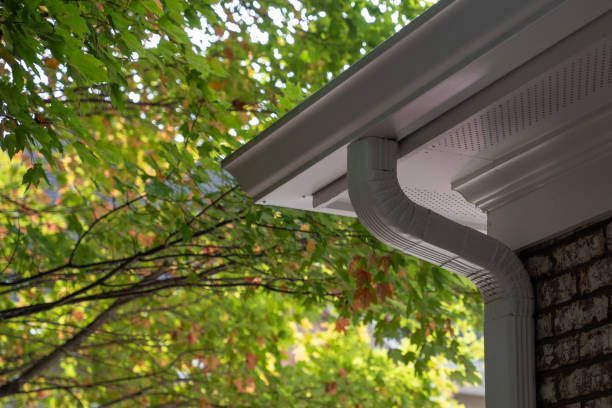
(14, 386)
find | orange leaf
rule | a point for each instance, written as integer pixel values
(310, 246)
(247, 386)
(52, 63)
(77, 315)
(448, 327)
(204, 403)
(250, 385)
(431, 326)
(372, 259)
(217, 85)
(342, 325)
(211, 363)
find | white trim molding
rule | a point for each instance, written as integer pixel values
(536, 164)
(392, 217)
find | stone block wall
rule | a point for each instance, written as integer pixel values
(572, 276)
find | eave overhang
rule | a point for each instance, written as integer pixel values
(474, 90)
(480, 116)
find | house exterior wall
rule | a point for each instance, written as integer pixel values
(572, 277)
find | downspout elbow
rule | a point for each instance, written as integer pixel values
(384, 209)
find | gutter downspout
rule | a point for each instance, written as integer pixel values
(384, 209)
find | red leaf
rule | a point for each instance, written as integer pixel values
(363, 278)
(251, 360)
(331, 387)
(38, 118)
(384, 291)
(362, 298)
(385, 262)
(194, 334)
(354, 264)
(342, 325)
(255, 280)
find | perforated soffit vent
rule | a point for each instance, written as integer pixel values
(562, 95)
(580, 80)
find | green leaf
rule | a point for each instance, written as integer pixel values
(88, 65)
(175, 32)
(74, 224)
(34, 175)
(86, 155)
(158, 189)
(198, 63)
(68, 14)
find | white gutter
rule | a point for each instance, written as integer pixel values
(384, 209)
(454, 50)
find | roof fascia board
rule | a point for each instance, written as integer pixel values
(337, 114)
(486, 97)
(329, 87)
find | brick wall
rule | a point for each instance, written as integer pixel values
(572, 276)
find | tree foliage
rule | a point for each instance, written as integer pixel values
(135, 271)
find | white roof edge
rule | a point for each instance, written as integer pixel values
(444, 70)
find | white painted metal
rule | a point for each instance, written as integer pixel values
(534, 165)
(514, 144)
(391, 216)
(454, 51)
(536, 102)
(508, 102)
(579, 197)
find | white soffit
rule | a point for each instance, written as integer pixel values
(454, 50)
(485, 155)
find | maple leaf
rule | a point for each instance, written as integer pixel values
(363, 278)
(362, 298)
(251, 360)
(331, 387)
(310, 246)
(52, 63)
(78, 315)
(255, 280)
(354, 264)
(342, 325)
(384, 290)
(385, 262)
(211, 363)
(194, 334)
(38, 118)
